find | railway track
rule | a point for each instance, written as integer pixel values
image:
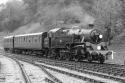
(78, 68)
(52, 79)
(56, 80)
(26, 77)
(108, 71)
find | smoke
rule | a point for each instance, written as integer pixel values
(88, 19)
(58, 15)
(80, 13)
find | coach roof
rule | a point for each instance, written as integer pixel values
(8, 36)
(29, 34)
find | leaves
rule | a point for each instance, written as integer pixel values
(56, 13)
(12, 16)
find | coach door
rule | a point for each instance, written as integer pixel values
(44, 35)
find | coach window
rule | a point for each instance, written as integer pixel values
(7, 40)
(39, 38)
(29, 41)
(18, 39)
(35, 40)
(15, 39)
(24, 39)
(21, 39)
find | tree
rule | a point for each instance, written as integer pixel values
(31, 10)
(108, 14)
(12, 16)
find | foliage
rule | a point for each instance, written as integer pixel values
(56, 13)
(12, 15)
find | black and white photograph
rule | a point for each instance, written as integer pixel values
(62, 41)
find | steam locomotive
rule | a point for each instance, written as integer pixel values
(63, 43)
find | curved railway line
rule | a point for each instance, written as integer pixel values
(107, 71)
(56, 80)
(26, 77)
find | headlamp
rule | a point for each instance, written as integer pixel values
(99, 47)
(100, 36)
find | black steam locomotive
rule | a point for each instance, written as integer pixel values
(63, 43)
